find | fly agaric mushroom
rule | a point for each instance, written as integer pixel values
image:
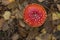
(34, 15)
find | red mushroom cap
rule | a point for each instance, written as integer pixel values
(34, 15)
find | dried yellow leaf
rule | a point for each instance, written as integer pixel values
(43, 31)
(55, 16)
(7, 15)
(58, 27)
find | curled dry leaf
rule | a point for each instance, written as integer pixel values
(21, 23)
(7, 15)
(54, 16)
(38, 38)
(58, 6)
(43, 31)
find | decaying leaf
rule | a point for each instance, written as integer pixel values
(15, 36)
(5, 27)
(44, 37)
(1, 22)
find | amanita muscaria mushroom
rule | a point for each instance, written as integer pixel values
(34, 15)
